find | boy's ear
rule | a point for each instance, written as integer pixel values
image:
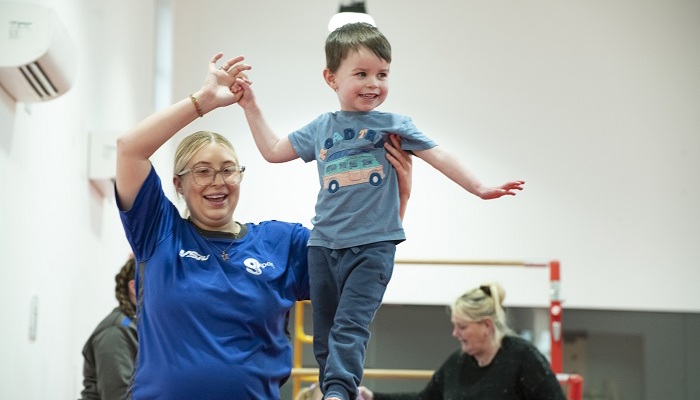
(329, 77)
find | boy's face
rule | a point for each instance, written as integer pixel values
(361, 81)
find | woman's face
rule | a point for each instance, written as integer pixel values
(211, 205)
(475, 336)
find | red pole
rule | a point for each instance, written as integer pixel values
(576, 387)
(555, 311)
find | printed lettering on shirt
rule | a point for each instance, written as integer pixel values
(193, 254)
(352, 166)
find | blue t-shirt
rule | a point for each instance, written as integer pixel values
(209, 328)
(358, 201)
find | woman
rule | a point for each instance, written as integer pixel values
(212, 292)
(110, 352)
(492, 364)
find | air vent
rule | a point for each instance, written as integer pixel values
(38, 80)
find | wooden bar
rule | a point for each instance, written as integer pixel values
(485, 263)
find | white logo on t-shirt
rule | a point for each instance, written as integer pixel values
(193, 254)
(254, 267)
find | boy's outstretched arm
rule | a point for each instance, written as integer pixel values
(450, 166)
(272, 148)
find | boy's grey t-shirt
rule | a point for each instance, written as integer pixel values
(358, 201)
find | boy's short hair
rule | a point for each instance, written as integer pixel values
(353, 37)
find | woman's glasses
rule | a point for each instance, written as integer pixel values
(204, 176)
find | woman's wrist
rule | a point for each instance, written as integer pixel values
(203, 102)
(195, 103)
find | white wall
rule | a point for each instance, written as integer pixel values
(593, 103)
(61, 240)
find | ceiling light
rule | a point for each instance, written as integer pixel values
(349, 12)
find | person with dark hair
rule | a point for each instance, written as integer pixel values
(357, 225)
(213, 292)
(492, 364)
(110, 352)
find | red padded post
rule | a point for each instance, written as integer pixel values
(555, 321)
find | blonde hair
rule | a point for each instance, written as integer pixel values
(190, 145)
(485, 301)
(312, 392)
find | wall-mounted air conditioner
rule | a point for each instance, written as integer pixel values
(37, 58)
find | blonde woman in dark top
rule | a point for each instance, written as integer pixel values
(492, 363)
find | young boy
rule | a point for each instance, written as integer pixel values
(357, 223)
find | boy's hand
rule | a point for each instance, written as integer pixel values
(236, 88)
(243, 89)
(507, 189)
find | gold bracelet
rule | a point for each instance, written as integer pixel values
(196, 106)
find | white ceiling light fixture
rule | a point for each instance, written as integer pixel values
(350, 11)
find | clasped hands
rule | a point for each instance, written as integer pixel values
(224, 80)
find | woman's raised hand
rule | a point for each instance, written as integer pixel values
(221, 81)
